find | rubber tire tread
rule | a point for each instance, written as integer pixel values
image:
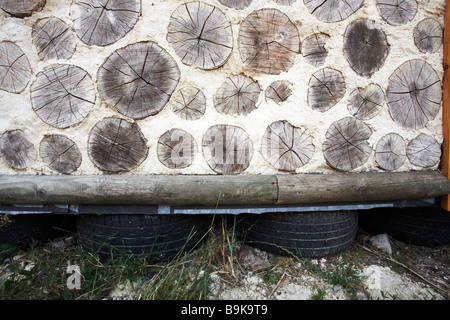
(421, 226)
(308, 234)
(160, 237)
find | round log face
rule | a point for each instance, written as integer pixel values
(268, 41)
(60, 153)
(424, 151)
(227, 149)
(176, 149)
(62, 95)
(201, 35)
(366, 103)
(17, 151)
(15, 70)
(53, 39)
(428, 35)
(238, 95)
(365, 46)
(397, 12)
(190, 103)
(116, 145)
(346, 146)
(285, 2)
(279, 91)
(414, 94)
(326, 88)
(286, 147)
(390, 152)
(314, 49)
(21, 8)
(103, 22)
(138, 80)
(236, 4)
(332, 10)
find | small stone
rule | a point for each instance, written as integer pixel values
(381, 241)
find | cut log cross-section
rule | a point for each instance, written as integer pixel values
(414, 94)
(60, 153)
(326, 88)
(53, 39)
(21, 8)
(285, 2)
(346, 146)
(286, 147)
(279, 91)
(268, 41)
(428, 35)
(138, 80)
(390, 152)
(365, 46)
(62, 95)
(314, 49)
(332, 10)
(397, 12)
(238, 95)
(366, 103)
(190, 103)
(103, 22)
(201, 35)
(176, 149)
(17, 151)
(424, 151)
(236, 4)
(116, 145)
(227, 149)
(15, 70)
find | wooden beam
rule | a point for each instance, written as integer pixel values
(445, 200)
(209, 190)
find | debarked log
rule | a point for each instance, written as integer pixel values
(211, 190)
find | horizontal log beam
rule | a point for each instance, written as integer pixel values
(208, 190)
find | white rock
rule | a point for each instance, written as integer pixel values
(381, 241)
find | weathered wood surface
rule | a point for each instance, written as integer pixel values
(62, 95)
(116, 145)
(138, 80)
(189, 103)
(60, 153)
(176, 149)
(53, 39)
(236, 4)
(346, 145)
(268, 41)
(210, 190)
(356, 187)
(397, 12)
(314, 50)
(21, 8)
(15, 70)
(227, 149)
(390, 152)
(238, 95)
(103, 22)
(366, 103)
(285, 2)
(326, 88)
(187, 190)
(428, 35)
(17, 151)
(286, 147)
(423, 151)
(201, 35)
(279, 91)
(414, 94)
(365, 46)
(332, 10)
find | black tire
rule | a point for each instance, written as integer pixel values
(23, 229)
(426, 226)
(307, 234)
(160, 237)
